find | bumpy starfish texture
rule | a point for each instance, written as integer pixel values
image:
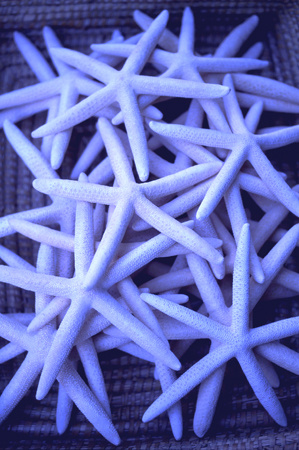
(38, 346)
(237, 340)
(123, 86)
(130, 196)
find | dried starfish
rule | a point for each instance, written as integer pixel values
(38, 345)
(130, 196)
(237, 339)
(123, 86)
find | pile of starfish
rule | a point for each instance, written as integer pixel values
(168, 213)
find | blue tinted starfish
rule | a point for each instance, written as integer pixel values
(238, 339)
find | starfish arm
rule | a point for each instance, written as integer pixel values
(274, 180)
(224, 65)
(17, 113)
(255, 185)
(268, 370)
(247, 100)
(30, 155)
(232, 108)
(175, 230)
(145, 46)
(10, 351)
(236, 38)
(90, 66)
(168, 40)
(207, 399)
(208, 287)
(191, 378)
(173, 87)
(33, 58)
(209, 327)
(35, 282)
(253, 116)
(181, 180)
(110, 242)
(135, 329)
(104, 343)
(278, 138)
(46, 145)
(43, 215)
(116, 151)
(78, 191)
(135, 130)
(63, 410)
(19, 384)
(240, 306)
(229, 244)
(274, 331)
(133, 349)
(93, 372)
(78, 113)
(43, 234)
(87, 402)
(179, 205)
(84, 236)
(91, 151)
(102, 173)
(238, 219)
(221, 183)
(69, 97)
(52, 41)
(273, 262)
(255, 51)
(62, 345)
(14, 260)
(94, 324)
(210, 138)
(280, 355)
(267, 225)
(138, 257)
(288, 279)
(139, 308)
(170, 280)
(266, 87)
(261, 386)
(187, 33)
(39, 91)
(52, 310)
(167, 377)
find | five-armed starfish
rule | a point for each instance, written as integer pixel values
(130, 197)
(122, 86)
(244, 146)
(37, 346)
(237, 340)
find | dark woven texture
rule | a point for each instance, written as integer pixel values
(240, 421)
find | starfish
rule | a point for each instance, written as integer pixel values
(122, 86)
(81, 303)
(244, 145)
(236, 340)
(130, 196)
(38, 345)
(186, 65)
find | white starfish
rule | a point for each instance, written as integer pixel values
(237, 340)
(130, 196)
(244, 145)
(97, 298)
(38, 345)
(123, 87)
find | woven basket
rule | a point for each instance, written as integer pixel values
(240, 421)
